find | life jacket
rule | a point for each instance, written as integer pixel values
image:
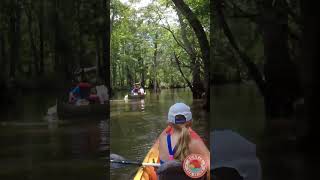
(84, 85)
(135, 90)
(169, 131)
(84, 89)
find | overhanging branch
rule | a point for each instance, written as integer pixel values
(252, 68)
(179, 68)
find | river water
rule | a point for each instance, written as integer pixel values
(135, 124)
(241, 109)
(36, 147)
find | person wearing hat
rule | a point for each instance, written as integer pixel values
(135, 89)
(179, 140)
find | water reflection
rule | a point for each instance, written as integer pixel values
(241, 109)
(136, 105)
(104, 140)
(54, 140)
(37, 147)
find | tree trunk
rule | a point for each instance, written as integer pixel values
(252, 68)
(3, 62)
(212, 28)
(155, 54)
(56, 36)
(282, 83)
(112, 21)
(143, 81)
(15, 37)
(41, 21)
(33, 47)
(98, 58)
(98, 42)
(106, 44)
(197, 82)
(3, 59)
(197, 86)
(80, 45)
(142, 73)
(30, 69)
(202, 39)
(129, 76)
(114, 74)
(62, 51)
(182, 74)
(119, 73)
(135, 73)
(310, 57)
(121, 77)
(238, 78)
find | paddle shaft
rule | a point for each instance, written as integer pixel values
(135, 163)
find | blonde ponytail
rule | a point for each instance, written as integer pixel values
(182, 150)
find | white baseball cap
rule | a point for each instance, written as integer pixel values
(179, 109)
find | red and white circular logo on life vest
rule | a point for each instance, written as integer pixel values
(195, 166)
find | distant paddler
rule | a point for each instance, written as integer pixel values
(79, 92)
(137, 89)
(86, 92)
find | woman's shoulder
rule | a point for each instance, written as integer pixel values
(165, 132)
(197, 146)
(196, 142)
(194, 135)
(162, 139)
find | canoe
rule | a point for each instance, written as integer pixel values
(139, 96)
(66, 110)
(149, 173)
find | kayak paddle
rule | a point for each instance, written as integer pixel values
(118, 161)
(135, 163)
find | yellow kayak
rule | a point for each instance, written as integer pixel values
(148, 172)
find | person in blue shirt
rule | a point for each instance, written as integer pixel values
(81, 91)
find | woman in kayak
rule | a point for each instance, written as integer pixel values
(179, 140)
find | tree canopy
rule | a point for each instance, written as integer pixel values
(152, 44)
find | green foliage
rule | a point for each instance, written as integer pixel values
(70, 31)
(227, 66)
(134, 35)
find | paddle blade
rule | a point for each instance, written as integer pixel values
(116, 157)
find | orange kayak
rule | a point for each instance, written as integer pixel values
(148, 172)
